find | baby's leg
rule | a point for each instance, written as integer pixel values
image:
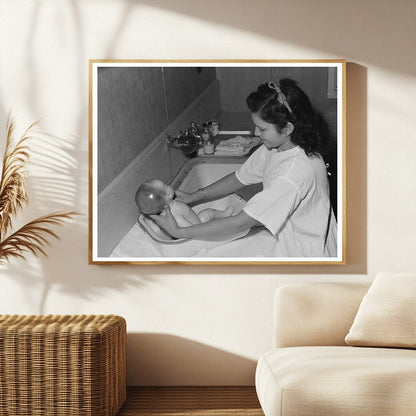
(210, 214)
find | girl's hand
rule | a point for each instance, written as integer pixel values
(167, 222)
(184, 197)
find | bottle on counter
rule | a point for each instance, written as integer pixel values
(201, 148)
(194, 131)
(209, 147)
(214, 127)
(205, 133)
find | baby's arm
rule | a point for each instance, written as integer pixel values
(209, 214)
(184, 214)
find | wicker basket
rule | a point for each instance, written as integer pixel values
(71, 365)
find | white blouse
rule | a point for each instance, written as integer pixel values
(294, 204)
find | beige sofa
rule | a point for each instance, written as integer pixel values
(312, 371)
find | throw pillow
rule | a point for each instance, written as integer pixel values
(386, 316)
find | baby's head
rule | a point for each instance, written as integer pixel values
(153, 195)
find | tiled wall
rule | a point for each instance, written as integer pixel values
(237, 83)
(135, 104)
(117, 211)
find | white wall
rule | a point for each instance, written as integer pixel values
(190, 324)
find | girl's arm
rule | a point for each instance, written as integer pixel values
(218, 229)
(225, 186)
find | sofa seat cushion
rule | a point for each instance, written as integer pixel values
(342, 380)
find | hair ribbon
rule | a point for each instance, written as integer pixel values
(280, 96)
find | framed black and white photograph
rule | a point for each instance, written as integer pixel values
(217, 162)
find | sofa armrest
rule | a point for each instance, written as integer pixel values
(308, 314)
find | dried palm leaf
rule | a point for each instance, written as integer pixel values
(32, 237)
(12, 183)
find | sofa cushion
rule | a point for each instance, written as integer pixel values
(387, 314)
(304, 381)
(318, 313)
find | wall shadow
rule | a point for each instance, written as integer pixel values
(60, 182)
(167, 360)
(324, 19)
(53, 187)
(356, 155)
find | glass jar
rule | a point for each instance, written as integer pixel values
(214, 127)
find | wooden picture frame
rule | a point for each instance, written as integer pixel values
(137, 111)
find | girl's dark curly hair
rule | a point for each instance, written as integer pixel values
(311, 131)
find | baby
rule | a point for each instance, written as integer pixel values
(153, 195)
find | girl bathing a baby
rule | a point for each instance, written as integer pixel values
(294, 205)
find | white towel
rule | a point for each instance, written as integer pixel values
(230, 151)
(236, 146)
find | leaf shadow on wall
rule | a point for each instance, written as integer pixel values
(52, 186)
(333, 27)
(75, 186)
(58, 180)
